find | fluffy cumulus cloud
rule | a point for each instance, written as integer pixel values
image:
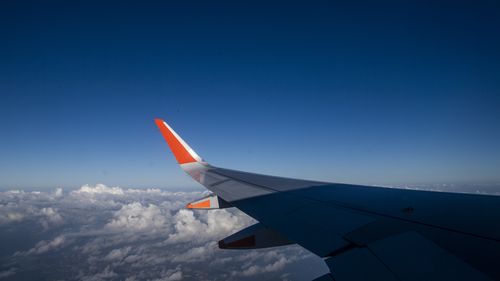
(112, 233)
(138, 217)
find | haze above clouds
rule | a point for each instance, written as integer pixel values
(111, 233)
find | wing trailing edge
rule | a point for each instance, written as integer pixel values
(254, 237)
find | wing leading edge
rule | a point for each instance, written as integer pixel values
(362, 232)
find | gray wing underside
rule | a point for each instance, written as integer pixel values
(371, 233)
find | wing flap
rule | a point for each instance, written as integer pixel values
(254, 237)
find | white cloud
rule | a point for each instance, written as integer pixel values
(170, 275)
(118, 254)
(8, 217)
(51, 214)
(197, 254)
(18, 206)
(212, 224)
(10, 211)
(107, 273)
(136, 216)
(131, 234)
(187, 227)
(58, 192)
(45, 246)
(7, 273)
(255, 269)
(100, 189)
(49, 217)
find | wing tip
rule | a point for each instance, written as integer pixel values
(181, 150)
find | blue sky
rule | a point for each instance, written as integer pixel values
(374, 93)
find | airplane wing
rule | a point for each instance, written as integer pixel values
(362, 232)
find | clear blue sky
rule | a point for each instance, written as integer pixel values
(376, 92)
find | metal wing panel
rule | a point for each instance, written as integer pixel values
(270, 182)
(316, 227)
(472, 214)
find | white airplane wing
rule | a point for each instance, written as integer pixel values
(362, 232)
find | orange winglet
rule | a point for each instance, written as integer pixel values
(199, 205)
(179, 151)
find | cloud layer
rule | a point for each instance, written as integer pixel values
(111, 233)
